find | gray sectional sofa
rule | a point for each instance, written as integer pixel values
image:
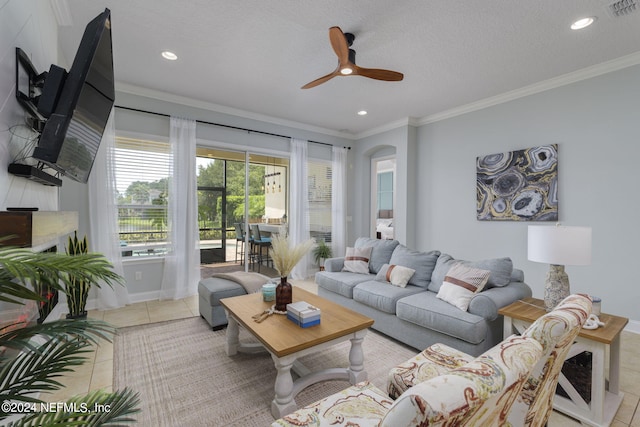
(413, 314)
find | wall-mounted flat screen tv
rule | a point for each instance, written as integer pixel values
(72, 133)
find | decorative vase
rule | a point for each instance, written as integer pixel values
(284, 294)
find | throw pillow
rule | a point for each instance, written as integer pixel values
(380, 253)
(357, 260)
(422, 262)
(500, 268)
(461, 283)
(397, 275)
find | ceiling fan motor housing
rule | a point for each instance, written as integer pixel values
(349, 38)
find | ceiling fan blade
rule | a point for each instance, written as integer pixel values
(378, 74)
(321, 80)
(339, 44)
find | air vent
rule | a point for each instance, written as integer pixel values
(623, 7)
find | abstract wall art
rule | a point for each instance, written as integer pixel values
(520, 185)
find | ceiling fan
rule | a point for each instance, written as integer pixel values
(341, 43)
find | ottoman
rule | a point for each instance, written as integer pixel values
(210, 292)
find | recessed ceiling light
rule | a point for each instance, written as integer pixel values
(362, 113)
(583, 23)
(169, 55)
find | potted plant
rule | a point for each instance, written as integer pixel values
(321, 252)
(34, 356)
(78, 290)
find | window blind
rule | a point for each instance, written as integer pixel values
(142, 171)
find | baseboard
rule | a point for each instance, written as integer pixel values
(144, 296)
(633, 326)
(92, 304)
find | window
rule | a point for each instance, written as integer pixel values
(319, 183)
(385, 192)
(142, 171)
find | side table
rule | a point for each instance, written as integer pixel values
(605, 400)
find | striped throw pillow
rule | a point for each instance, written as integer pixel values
(397, 275)
(461, 283)
(357, 260)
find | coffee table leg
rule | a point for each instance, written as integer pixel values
(283, 403)
(356, 358)
(233, 334)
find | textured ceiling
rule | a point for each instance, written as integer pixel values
(254, 55)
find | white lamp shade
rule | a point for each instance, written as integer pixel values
(559, 245)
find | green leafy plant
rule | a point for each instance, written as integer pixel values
(321, 252)
(79, 290)
(33, 358)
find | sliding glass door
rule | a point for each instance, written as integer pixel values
(225, 182)
(212, 223)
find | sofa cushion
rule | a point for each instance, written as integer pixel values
(356, 260)
(397, 275)
(381, 252)
(425, 310)
(461, 283)
(381, 296)
(342, 282)
(500, 268)
(422, 262)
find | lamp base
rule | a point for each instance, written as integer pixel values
(556, 287)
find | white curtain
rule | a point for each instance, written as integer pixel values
(339, 201)
(103, 217)
(299, 205)
(182, 262)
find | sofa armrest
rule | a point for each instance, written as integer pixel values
(334, 264)
(487, 303)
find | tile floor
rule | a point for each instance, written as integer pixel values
(98, 372)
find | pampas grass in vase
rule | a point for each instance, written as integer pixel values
(285, 257)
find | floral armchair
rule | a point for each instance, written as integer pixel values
(556, 332)
(478, 393)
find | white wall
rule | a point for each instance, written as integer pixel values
(596, 124)
(30, 25)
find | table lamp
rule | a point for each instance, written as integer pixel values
(558, 246)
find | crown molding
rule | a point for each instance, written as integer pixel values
(563, 80)
(407, 121)
(189, 102)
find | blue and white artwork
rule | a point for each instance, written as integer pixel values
(520, 185)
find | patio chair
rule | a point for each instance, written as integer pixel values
(259, 243)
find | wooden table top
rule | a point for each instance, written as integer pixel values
(529, 309)
(283, 337)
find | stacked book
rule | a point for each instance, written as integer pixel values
(303, 314)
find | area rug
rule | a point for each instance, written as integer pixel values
(185, 378)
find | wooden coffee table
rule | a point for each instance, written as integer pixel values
(287, 342)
